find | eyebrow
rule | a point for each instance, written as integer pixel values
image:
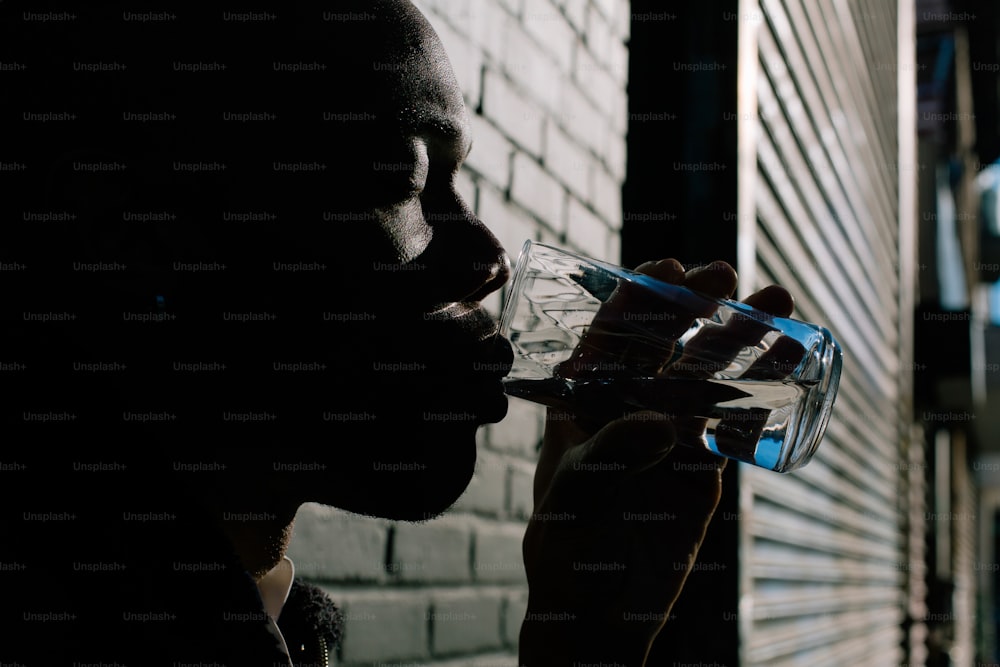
(438, 126)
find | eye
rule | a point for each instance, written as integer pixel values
(416, 186)
(419, 172)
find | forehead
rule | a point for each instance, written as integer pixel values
(412, 72)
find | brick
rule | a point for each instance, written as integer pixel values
(515, 7)
(616, 157)
(508, 223)
(332, 545)
(534, 69)
(606, 197)
(619, 124)
(460, 14)
(520, 431)
(586, 231)
(490, 25)
(569, 161)
(617, 63)
(623, 20)
(465, 622)
(521, 500)
(597, 84)
(426, 7)
(605, 7)
(491, 153)
(466, 59)
(487, 492)
(384, 625)
(550, 237)
(547, 25)
(600, 34)
(576, 13)
(614, 254)
(506, 659)
(536, 190)
(498, 553)
(432, 551)
(608, 134)
(580, 118)
(514, 611)
(512, 113)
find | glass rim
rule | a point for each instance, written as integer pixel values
(513, 288)
(623, 273)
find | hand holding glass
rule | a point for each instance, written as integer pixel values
(601, 341)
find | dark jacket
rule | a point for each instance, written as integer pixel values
(112, 582)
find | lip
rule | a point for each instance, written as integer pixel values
(493, 354)
(492, 401)
(471, 316)
(504, 356)
(491, 360)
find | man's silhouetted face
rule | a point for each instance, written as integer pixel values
(305, 279)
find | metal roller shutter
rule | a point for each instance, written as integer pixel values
(822, 549)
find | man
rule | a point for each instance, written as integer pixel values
(237, 199)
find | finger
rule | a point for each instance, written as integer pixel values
(717, 279)
(738, 433)
(716, 346)
(773, 299)
(667, 270)
(714, 349)
(633, 331)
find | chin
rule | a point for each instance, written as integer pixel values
(417, 477)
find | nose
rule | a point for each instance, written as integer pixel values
(472, 262)
(496, 275)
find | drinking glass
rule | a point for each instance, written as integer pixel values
(602, 341)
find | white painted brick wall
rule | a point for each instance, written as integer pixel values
(606, 197)
(596, 82)
(588, 230)
(531, 66)
(544, 81)
(535, 189)
(517, 605)
(510, 224)
(487, 492)
(520, 502)
(467, 621)
(489, 660)
(466, 59)
(465, 186)
(576, 13)
(432, 551)
(544, 21)
(331, 545)
(521, 431)
(383, 625)
(498, 553)
(569, 161)
(491, 153)
(513, 112)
